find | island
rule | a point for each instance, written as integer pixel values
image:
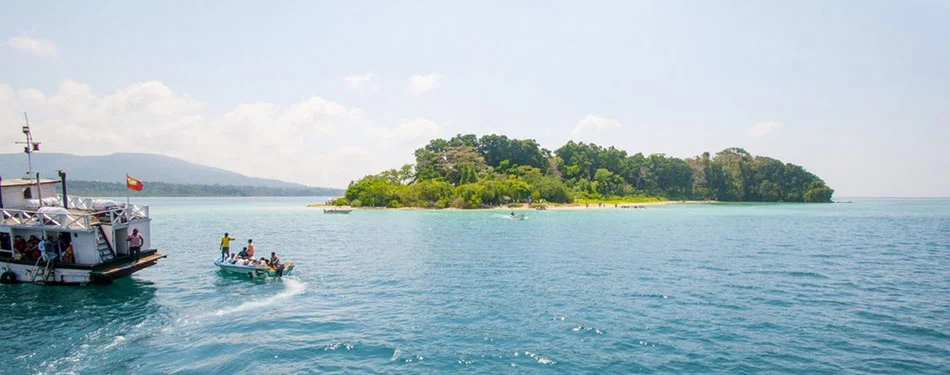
(468, 171)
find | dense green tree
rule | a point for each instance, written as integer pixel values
(466, 171)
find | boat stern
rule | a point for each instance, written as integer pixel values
(107, 273)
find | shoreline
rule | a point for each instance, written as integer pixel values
(525, 207)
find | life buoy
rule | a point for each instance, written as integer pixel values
(8, 278)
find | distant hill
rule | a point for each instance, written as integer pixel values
(163, 189)
(148, 167)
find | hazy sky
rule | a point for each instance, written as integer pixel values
(322, 93)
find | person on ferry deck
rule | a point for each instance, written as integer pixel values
(41, 248)
(19, 245)
(68, 256)
(135, 244)
(47, 249)
(250, 249)
(226, 246)
(32, 248)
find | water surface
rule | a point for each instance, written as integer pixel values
(744, 288)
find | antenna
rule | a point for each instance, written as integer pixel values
(31, 146)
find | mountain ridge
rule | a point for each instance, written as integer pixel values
(147, 167)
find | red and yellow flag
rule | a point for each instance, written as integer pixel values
(133, 183)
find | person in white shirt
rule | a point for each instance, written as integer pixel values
(135, 245)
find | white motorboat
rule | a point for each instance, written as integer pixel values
(255, 271)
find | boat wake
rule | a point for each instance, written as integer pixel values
(293, 288)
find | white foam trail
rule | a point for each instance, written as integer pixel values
(294, 287)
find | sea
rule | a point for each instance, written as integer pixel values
(848, 288)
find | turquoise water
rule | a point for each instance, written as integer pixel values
(770, 288)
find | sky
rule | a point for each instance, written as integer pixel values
(321, 93)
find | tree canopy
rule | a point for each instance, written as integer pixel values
(468, 171)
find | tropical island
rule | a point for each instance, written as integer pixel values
(471, 172)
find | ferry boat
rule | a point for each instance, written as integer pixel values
(87, 236)
(342, 211)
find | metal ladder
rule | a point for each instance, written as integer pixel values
(106, 253)
(48, 270)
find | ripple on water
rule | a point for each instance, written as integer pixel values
(679, 289)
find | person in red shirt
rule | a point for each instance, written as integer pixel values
(19, 244)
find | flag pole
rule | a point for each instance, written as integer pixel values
(128, 204)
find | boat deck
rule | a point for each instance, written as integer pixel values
(122, 267)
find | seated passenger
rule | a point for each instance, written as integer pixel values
(233, 258)
(19, 246)
(274, 260)
(32, 248)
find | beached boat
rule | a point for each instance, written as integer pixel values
(256, 270)
(49, 238)
(343, 211)
(633, 206)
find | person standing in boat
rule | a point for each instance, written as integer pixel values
(135, 245)
(226, 246)
(250, 249)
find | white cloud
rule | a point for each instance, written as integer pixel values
(32, 95)
(420, 84)
(763, 129)
(37, 46)
(315, 141)
(415, 130)
(591, 125)
(360, 83)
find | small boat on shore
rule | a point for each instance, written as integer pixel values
(342, 211)
(255, 271)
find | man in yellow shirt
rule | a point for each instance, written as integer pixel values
(226, 246)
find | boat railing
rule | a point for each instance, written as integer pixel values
(74, 221)
(24, 218)
(122, 215)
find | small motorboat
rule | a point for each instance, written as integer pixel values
(343, 211)
(255, 271)
(517, 217)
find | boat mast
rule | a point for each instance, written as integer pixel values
(30, 145)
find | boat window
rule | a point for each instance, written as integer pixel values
(27, 193)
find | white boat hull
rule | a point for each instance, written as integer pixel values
(64, 276)
(254, 271)
(104, 273)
